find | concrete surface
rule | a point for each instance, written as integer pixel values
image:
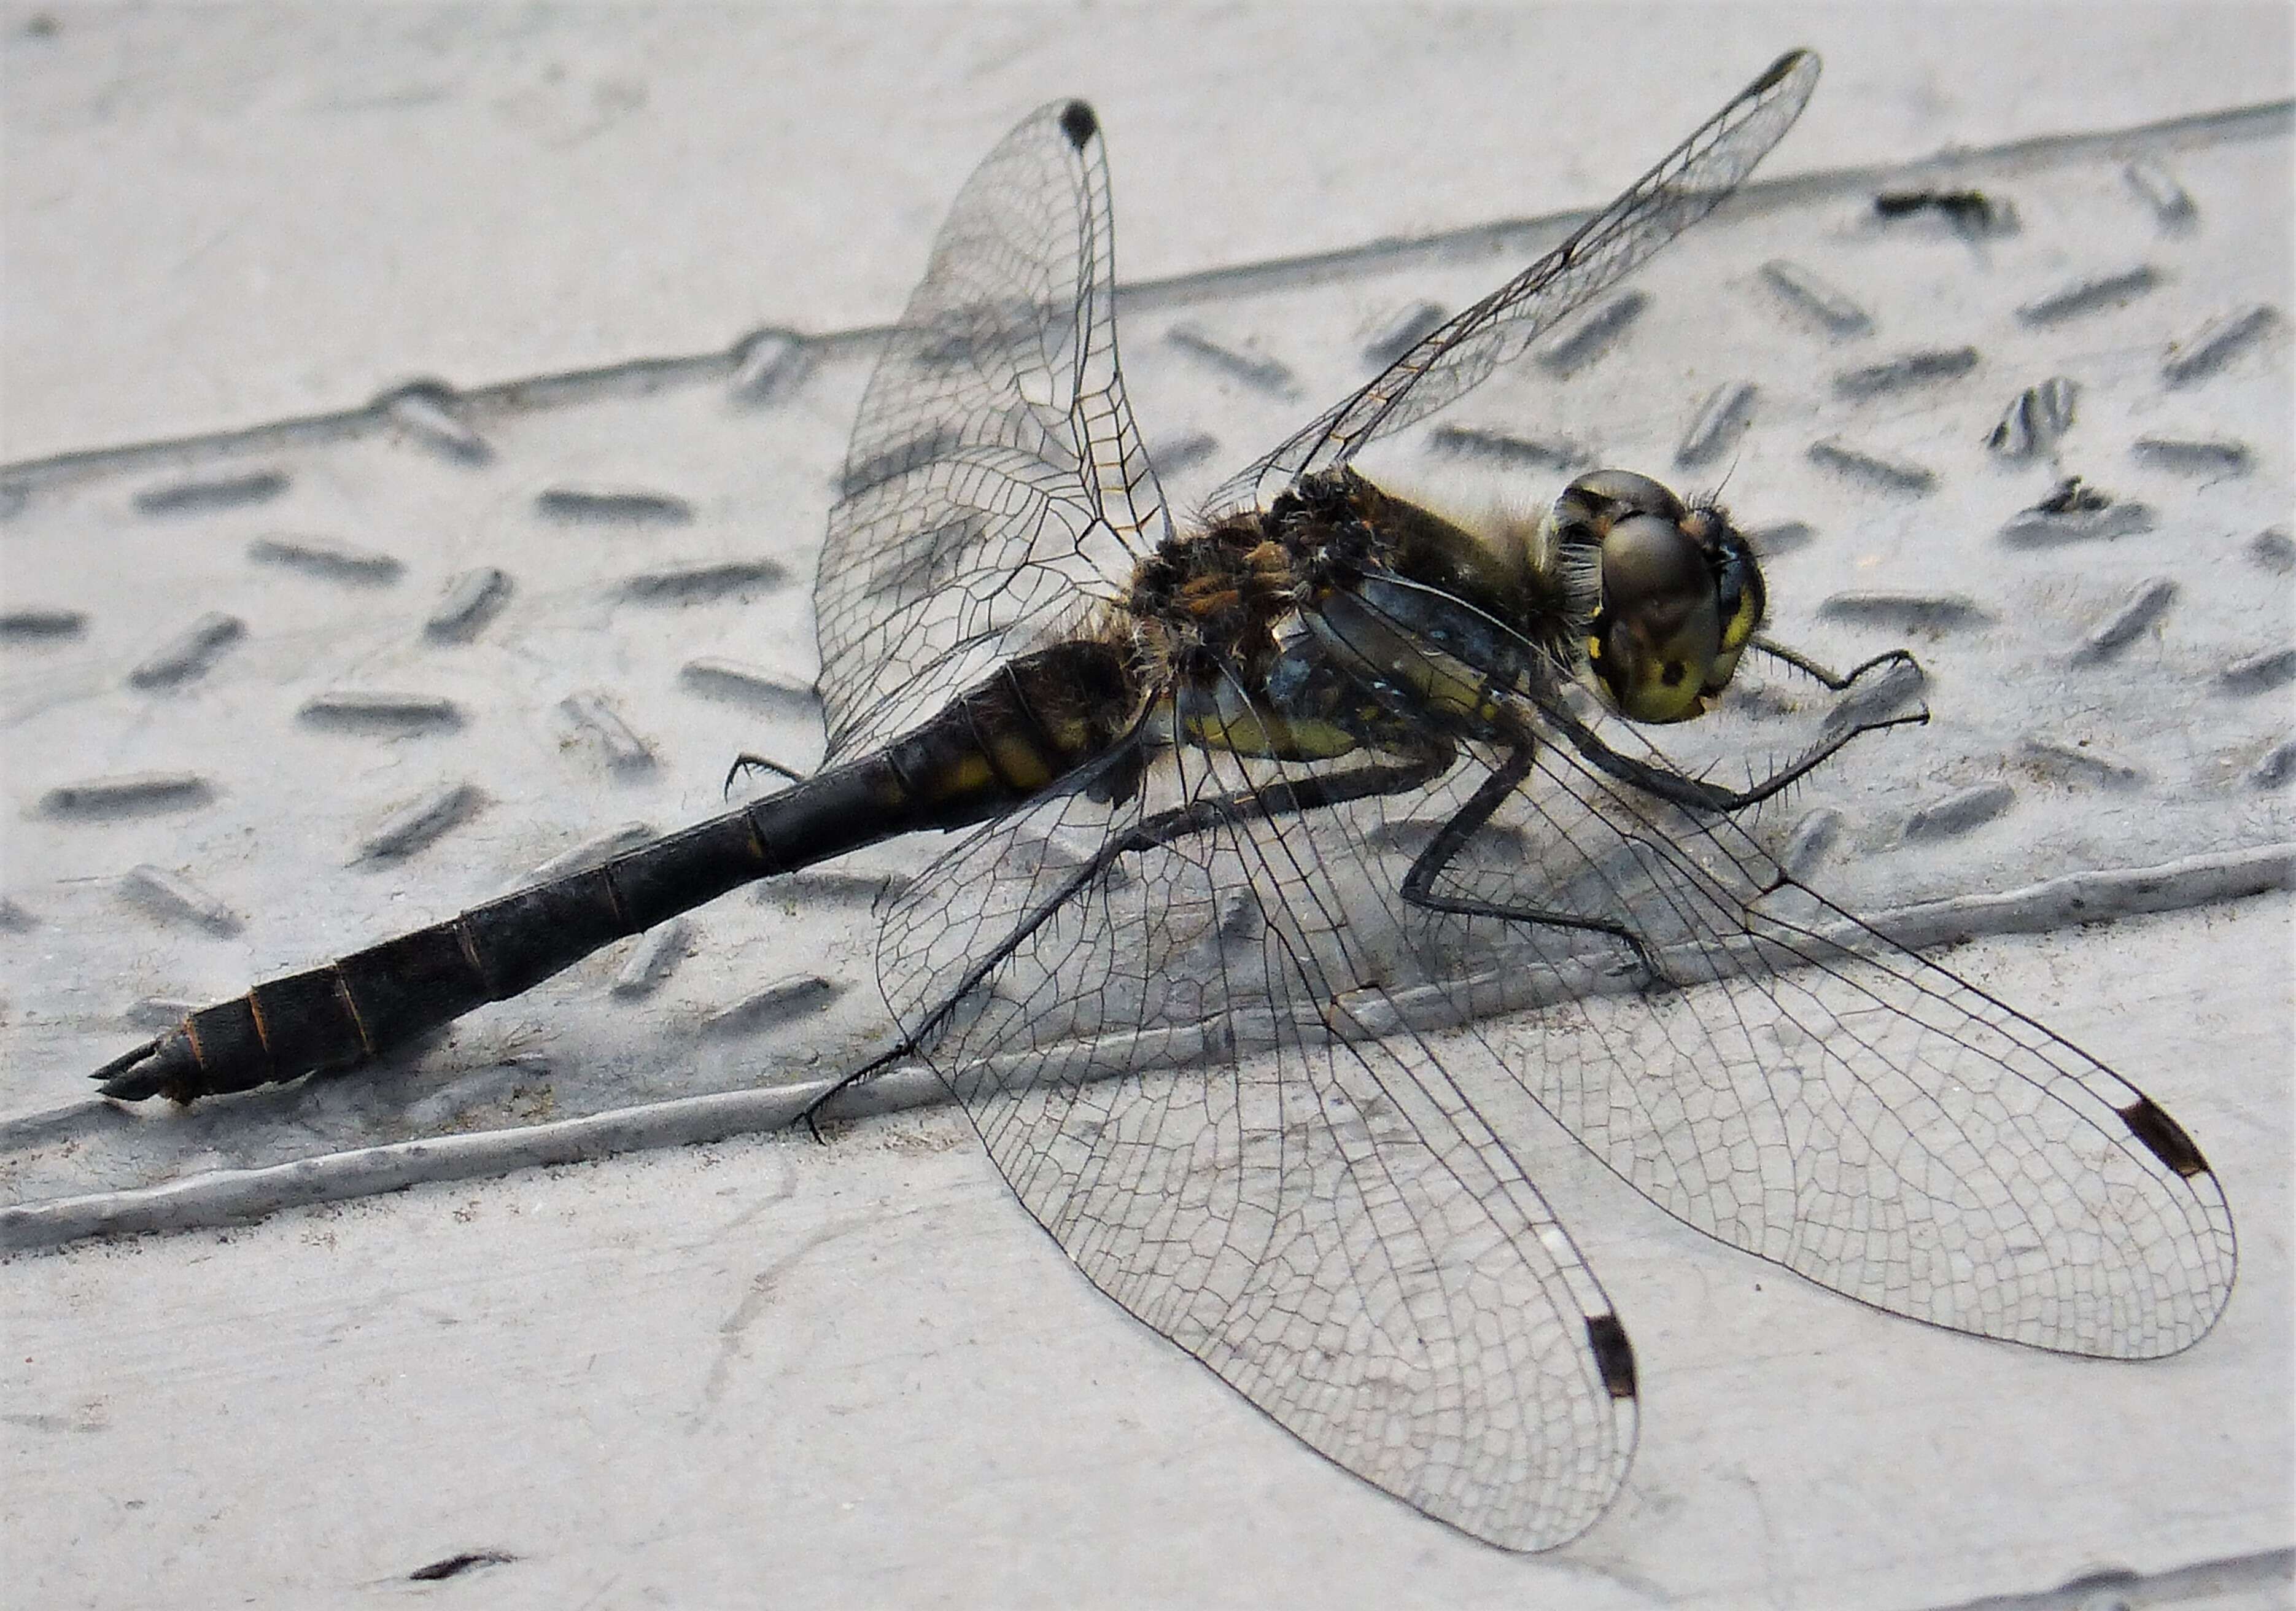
(853, 1375)
(762, 1368)
(224, 216)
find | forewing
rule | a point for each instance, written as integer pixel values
(1816, 1094)
(996, 483)
(1324, 1221)
(1462, 353)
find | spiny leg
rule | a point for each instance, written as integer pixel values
(1418, 884)
(746, 763)
(1676, 788)
(1697, 794)
(1269, 802)
(1836, 682)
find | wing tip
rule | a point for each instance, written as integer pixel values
(2164, 1137)
(1080, 123)
(1614, 1356)
(1802, 59)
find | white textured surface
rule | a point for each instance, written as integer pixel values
(220, 216)
(855, 1376)
(856, 1373)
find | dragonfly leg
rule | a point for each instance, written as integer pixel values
(1696, 793)
(1419, 883)
(746, 763)
(1316, 792)
(1321, 792)
(1837, 682)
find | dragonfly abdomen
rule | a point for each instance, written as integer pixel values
(998, 744)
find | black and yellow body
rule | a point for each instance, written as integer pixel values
(993, 747)
(1340, 620)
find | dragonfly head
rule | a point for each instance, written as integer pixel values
(1680, 595)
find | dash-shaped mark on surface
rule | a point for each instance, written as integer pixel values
(1594, 335)
(866, 472)
(1503, 448)
(2216, 344)
(425, 411)
(1258, 371)
(1410, 835)
(455, 1565)
(2077, 513)
(594, 851)
(1782, 538)
(1816, 299)
(1765, 701)
(1924, 368)
(2258, 673)
(1972, 213)
(2036, 419)
(612, 506)
(211, 496)
(130, 793)
(1959, 812)
(983, 331)
(1174, 455)
(1873, 466)
(420, 823)
(189, 653)
(1812, 841)
(2158, 189)
(596, 718)
(1890, 692)
(818, 888)
(2275, 766)
(714, 579)
(1722, 419)
(174, 899)
(779, 1003)
(157, 1013)
(653, 959)
(378, 711)
(769, 366)
(2073, 763)
(2090, 295)
(1907, 611)
(2147, 604)
(752, 686)
(1403, 331)
(2273, 548)
(2194, 455)
(326, 560)
(469, 603)
(35, 624)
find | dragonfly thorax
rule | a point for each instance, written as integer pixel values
(1206, 602)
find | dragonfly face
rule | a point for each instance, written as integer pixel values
(1681, 595)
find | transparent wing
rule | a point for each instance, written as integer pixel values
(1819, 1096)
(996, 483)
(1323, 1221)
(1461, 354)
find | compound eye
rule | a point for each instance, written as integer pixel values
(1634, 494)
(1659, 634)
(1743, 598)
(1743, 602)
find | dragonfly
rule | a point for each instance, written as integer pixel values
(1292, 841)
